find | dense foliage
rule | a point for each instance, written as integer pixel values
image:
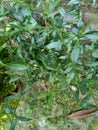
(51, 57)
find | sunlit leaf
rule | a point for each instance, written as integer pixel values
(95, 1)
(29, 27)
(92, 32)
(18, 16)
(95, 53)
(74, 2)
(1, 63)
(62, 11)
(53, 6)
(93, 37)
(17, 67)
(14, 78)
(94, 64)
(80, 23)
(75, 54)
(96, 113)
(68, 70)
(63, 57)
(55, 45)
(19, 52)
(25, 12)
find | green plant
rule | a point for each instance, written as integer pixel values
(38, 44)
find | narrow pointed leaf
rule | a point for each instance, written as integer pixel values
(17, 67)
(82, 113)
(55, 45)
(75, 54)
(53, 6)
(13, 125)
(23, 118)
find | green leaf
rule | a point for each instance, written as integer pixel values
(23, 118)
(2, 34)
(7, 108)
(29, 27)
(95, 113)
(83, 86)
(71, 77)
(19, 52)
(13, 97)
(53, 6)
(95, 1)
(75, 54)
(14, 78)
(94, 64)
(96, 85)
(63, 57)
(25, 90)
(83, 89)
(91, 32)
(76, 95)
(85, 101)
(1, 63)
(95, 53)
(54, 45)
(62, 11)
(93, 37)
(13, 125)
(71, 2)
(17, 67)
(80, 23)
(68, 70)
(25, 12)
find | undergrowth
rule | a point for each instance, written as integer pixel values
(49, 58)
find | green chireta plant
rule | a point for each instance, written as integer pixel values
(48, 51)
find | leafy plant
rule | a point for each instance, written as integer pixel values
(49, 47)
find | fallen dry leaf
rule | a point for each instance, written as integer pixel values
(82, 113)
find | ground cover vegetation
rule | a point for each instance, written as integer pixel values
(48, 60)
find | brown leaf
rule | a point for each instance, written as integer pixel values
(82, 113)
